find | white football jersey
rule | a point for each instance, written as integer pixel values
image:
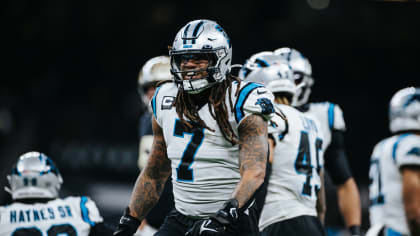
(71, 216)
(205, 166)
(329, 116)
(385, 190)
(298, 159)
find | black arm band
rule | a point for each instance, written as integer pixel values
(336, 160)
(355, 230)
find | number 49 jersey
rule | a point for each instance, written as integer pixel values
(298, 159)
(385, 190)
(72, 216)
(205, 166)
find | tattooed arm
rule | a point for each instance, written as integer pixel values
(150, 183)
(253, 148)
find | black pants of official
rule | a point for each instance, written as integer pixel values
(301, 225)
(177, 224)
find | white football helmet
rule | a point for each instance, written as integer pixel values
(302, 71)
(257, 61)
(154, 70)
(201, 38)
(404, 110)
(277, 78)
(34, 176)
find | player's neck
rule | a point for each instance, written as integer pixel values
(201, 99)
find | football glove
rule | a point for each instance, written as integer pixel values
(128, 224)
(219, 223)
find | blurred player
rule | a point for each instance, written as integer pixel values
(330, 117)
(210, 130)
(155, 70)
(36, 209)
(394, 191)
(296, 156)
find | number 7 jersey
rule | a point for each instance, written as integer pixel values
(205, 166)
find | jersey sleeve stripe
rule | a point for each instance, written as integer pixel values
(395, 147)
(85, 211)
(243, 95)
(331, 115)
(154, 101)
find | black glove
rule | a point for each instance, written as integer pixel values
(128, 224)
(219, 223)
(355, 230)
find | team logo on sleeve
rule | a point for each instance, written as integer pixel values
(168, 102)
(266, 105)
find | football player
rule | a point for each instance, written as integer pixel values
(394, 174)
(210, 131)
(330, 118)
(155, 70)
(34, 184)
(296, 157)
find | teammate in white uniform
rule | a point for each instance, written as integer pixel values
(394, 191)
(330, 118)
(210, 131)
(296, 159)
(36, 209)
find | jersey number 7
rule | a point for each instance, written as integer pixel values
(183, 171)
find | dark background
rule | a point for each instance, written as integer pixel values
(69, 74)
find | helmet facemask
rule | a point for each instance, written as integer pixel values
(303, 88)
(196, 71)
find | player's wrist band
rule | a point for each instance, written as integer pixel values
(355, 230)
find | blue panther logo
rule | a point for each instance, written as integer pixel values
(415, 151)
(411, 99)
(266, 105)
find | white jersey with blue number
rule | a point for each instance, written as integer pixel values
(385, 190)
(205, 166)
(329, 116)
(298, 158)
(71, 216)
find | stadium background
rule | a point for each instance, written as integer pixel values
(69, 75)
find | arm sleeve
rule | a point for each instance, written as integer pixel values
(335, 117)
(336, 160)
(277, 126)
(254, 99)
(407, 152)
(90, 212)
(154, 103)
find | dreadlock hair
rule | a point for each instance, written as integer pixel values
(187, 108)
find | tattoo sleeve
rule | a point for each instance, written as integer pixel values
(151, 181)
(253, 147)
